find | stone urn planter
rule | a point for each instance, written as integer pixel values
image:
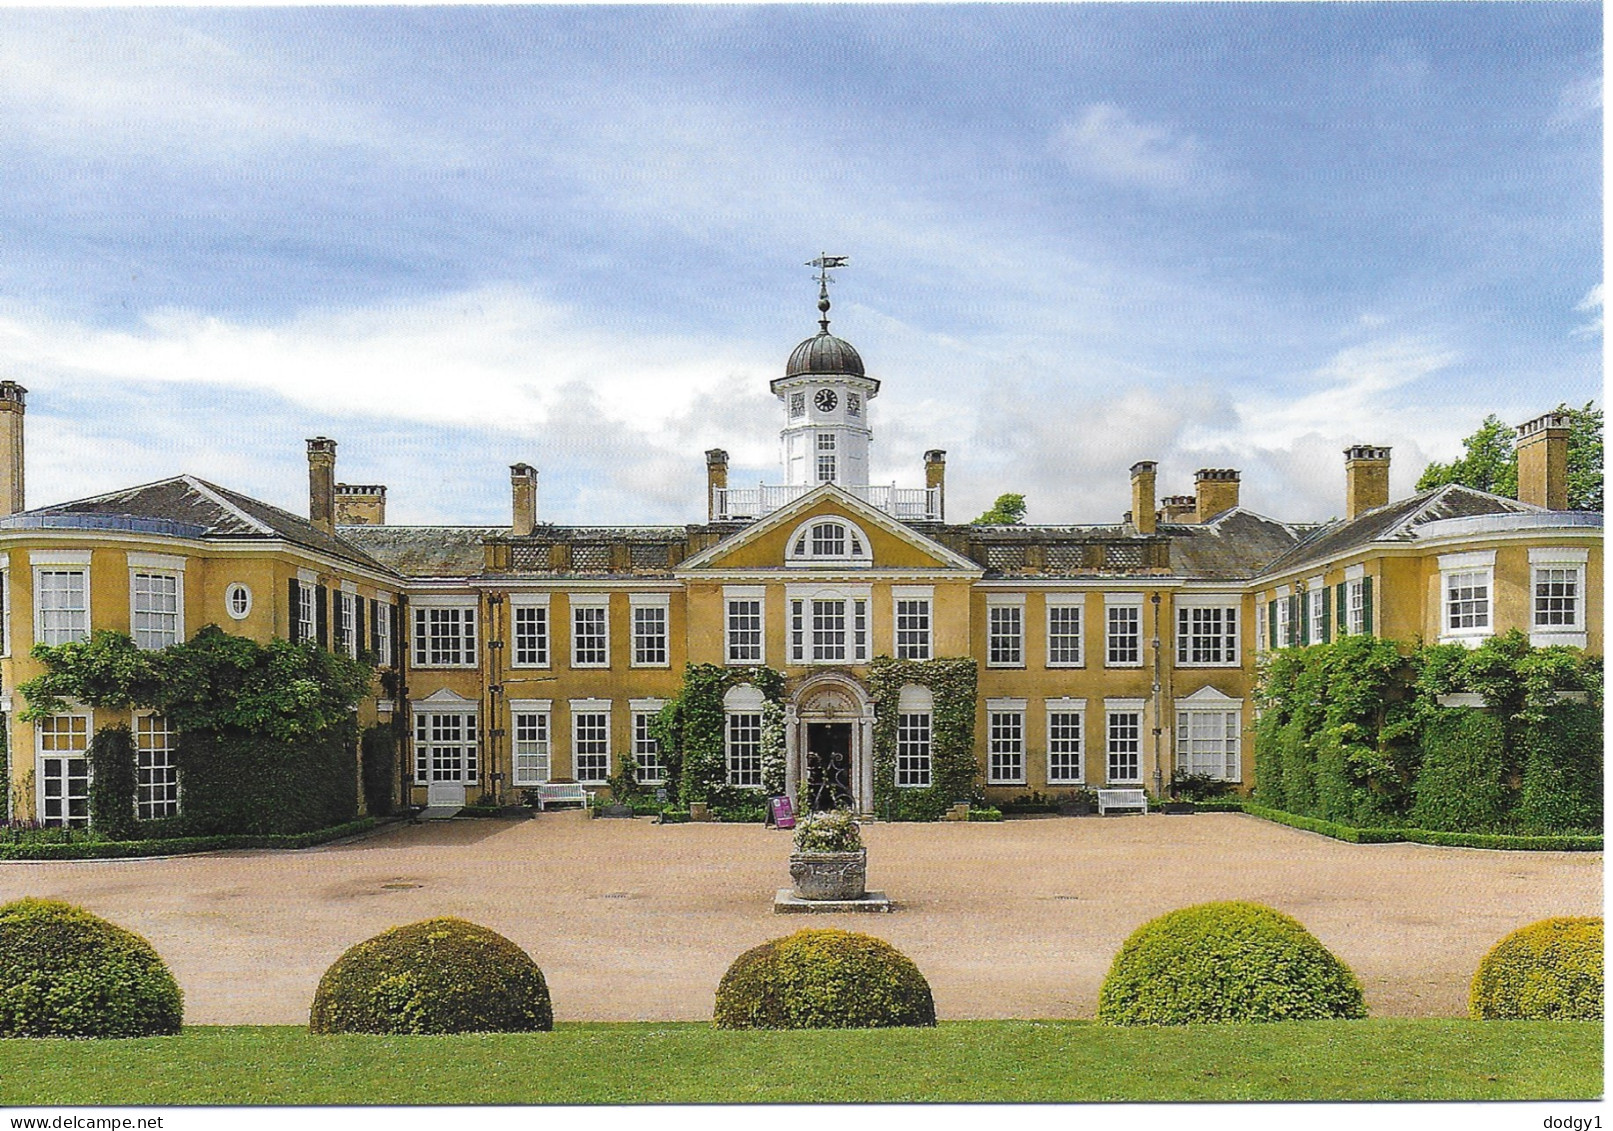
(830, 875)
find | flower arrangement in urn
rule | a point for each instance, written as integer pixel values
(829, 861)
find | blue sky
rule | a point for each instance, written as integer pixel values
(1225, 235)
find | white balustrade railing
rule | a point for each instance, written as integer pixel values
(917, 503)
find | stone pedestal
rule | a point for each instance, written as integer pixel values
(830, 875)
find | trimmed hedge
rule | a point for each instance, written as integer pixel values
(823, 979)
(96, 849)
(435, 976)
(238, 782)
(1226, 962)
(1562, 775)
(1559, 843)
(112, 782)
(1461, 787)
(1547, 971)
(67, 973)
(378, 758)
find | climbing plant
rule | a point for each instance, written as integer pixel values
(691, 731)
(954, 686)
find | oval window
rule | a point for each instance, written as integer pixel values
(238, 601)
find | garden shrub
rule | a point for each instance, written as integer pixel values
(436, 976)
(1547, 971)
(1460, 787)
(1562, 775)
(835, 830)
(1226, 962)
(823, 979)
(238, 782)
(67, 973)
(112, 782)
(953, 683)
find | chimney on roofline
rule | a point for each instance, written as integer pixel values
(523, 499)
(360, 504)
(935, 478)
(322, 483)
(1216, 489)
(1143, 511)
(1178, 508)
(13, 403)
(1366, 478)
(716, 480)
(1542, 461)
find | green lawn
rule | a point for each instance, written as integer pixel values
(959, 1061)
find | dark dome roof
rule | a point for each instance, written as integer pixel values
(826, 354)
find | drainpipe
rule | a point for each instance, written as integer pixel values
(494, 724)
(1159, 775)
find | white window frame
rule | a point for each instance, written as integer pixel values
(915, 751)
(61, 562)
(5, 609)
(1478, 568)
(802, 627)
(1069, 708)
(428, 619)
(1316, 612)
(147, 805)
(1005, 624)
(1574, 561)
(1121, 707)
(470, 742)
(230, 592)
(752, 724)
(347, 621)
(590, 708)
(1005, 740)
(578, 602)
(1285, 627)
(307, 620)
(66, 820)
(156, 567)
(744, 594)
(920, 643)
(652, 603)
(1067, 601)
(1227, 640)
(541, 714)
(1111, 603)
(537, 604)
(1262, 628)
(803, 550)
(644, 710)
(1355, 602)
(1229, 712)
(384, 602)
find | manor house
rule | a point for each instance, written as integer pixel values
(1114, 654)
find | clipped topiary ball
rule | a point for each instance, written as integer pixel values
(823, 979)
(1226, 962)
(1547, 971)
(67, 973)
(436, 976)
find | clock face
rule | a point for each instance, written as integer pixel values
(826, 400)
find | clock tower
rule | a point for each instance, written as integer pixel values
(825, 394)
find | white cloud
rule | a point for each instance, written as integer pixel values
(1579, 101)
(1591, 304)
(1106, 141)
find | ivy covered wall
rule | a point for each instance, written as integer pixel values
(955, 772)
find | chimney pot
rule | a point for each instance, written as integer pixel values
(523, 499)
(360, 504)
(1215, 490)
(1543, 461)
(322, 483)
(1178, 508)
(1366, 478)
(1143, 511)
(716, 480)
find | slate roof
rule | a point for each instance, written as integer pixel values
(218, 511)
(1235, 545)
(1394, 522)
(425, 551)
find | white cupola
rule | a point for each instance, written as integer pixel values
(826, 396)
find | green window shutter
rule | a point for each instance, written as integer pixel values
(1327, 615)
(1303, 634)
(321, 617)
(1343, 602)
(1366, 605)
(1271, 629)
(358, 624)
(291, 604)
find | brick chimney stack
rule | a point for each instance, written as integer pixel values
(13, 403)
(1366, 479)
(1543, 461)
(1216, 489)
(523, 499)
(935, 478)
(1143, 508)
(322, 483)
(1178, 508)
(716, 480)
(360, 504)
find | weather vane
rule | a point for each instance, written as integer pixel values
(826, 263)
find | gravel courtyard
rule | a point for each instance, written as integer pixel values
(635, 921)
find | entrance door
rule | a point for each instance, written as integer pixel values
(829, 766)
(450, 757)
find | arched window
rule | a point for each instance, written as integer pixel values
(742, 735)
(828, 540)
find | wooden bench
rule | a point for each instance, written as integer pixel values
(1121, 799)
(563, 793)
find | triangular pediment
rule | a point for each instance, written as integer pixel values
(444, 697)
(766, 544)
(1209, 696)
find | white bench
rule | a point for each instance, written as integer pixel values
(563, 793)
(1121, 799)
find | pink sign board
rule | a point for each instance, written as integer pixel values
(783, 813)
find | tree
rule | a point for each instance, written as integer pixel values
(1008, 510)
(1490, 463)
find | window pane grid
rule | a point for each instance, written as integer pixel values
(646, 750)
(1125, 634)
(1125, 746)
(445, 637)
(156, 610)
(1007, 747)
(591, 746)
(1467, 600)
(64, 614)
(589, 646)
(531, 636)
(1556, 598)
(913, 629)
(913, 750)
(1207, 635)
(1207, 743)
(649, 635)
(1064, 747)
(1006, 635)
(829, 630)
(156, 776)
(745, 750)
(745, 631)
(445, 747)
(1063, 634)
(65, 770)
